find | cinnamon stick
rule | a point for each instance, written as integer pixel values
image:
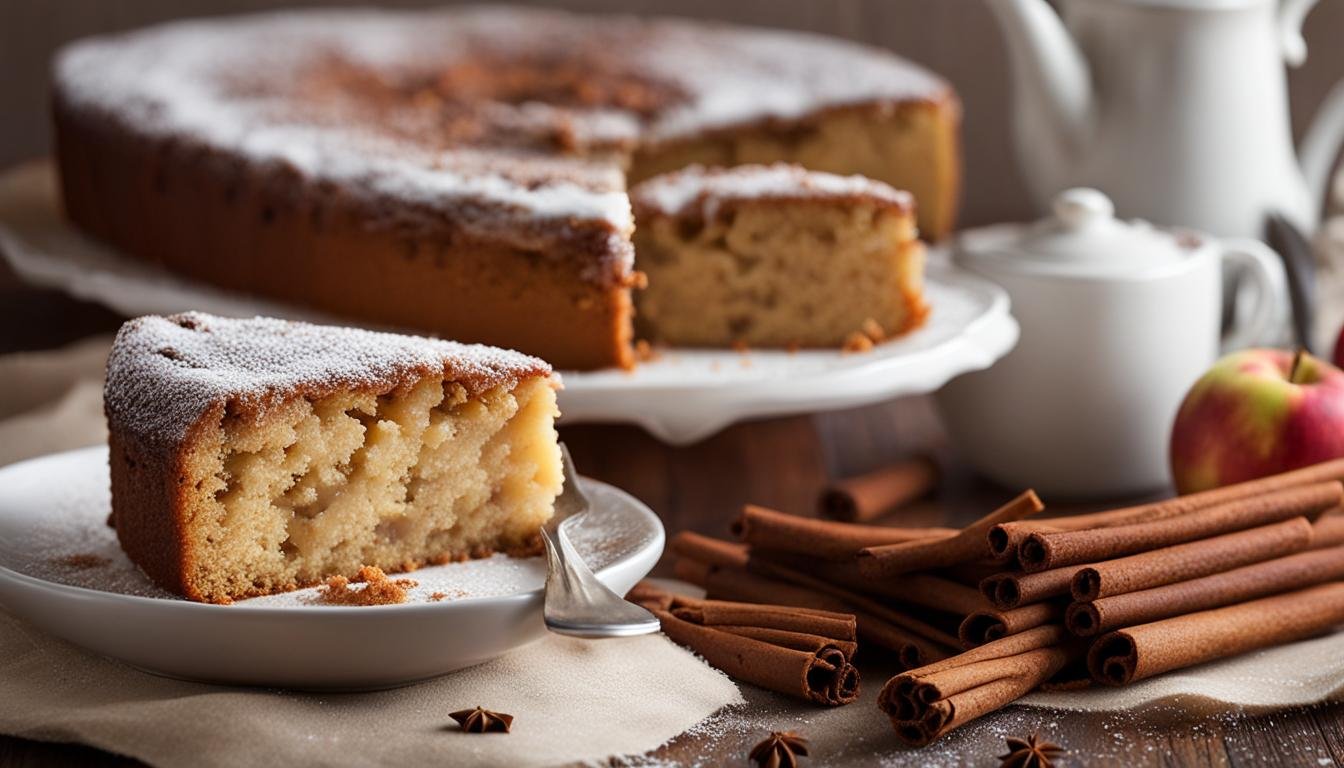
(1005, 540)
(764, 528)
(1126, 656)
(913, 641)
(1315, 473)
(709, 550)
(971, 573)
(1238, 585)
(1189, 561)
(984, 626)
(870, 496)
(692, 571)
(922, 589)
(1013, 588)
(1328, 530)
(856, 602)
(1042, 551)
(926, 703)
(968, 544)
(909, 647)
(782, 624)
(795, 651)
(982, 623)
(740, 586)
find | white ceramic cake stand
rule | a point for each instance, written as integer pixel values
(62, 571)
(683, 396)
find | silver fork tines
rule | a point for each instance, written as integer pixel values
(577, 603)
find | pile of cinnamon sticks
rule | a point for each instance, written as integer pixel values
(1109, 597)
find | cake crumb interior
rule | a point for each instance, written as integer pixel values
(425, 473)
(779, 274)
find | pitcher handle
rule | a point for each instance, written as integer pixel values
(1291, 15)
(1262, 322)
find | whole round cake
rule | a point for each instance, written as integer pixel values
(462, 171)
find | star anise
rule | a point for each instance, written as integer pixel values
(482, 720)
(1032, 753)
(781, 749)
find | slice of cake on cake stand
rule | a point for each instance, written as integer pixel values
(776, 256)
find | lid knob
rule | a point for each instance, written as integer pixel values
(1078, 207)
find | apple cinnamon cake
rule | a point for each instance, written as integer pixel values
(776, 256)
(256, 456)
(462, 171)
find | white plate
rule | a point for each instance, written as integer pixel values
(683, 397)
(62, 571)
(687, 394)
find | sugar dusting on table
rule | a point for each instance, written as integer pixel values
(855, 735)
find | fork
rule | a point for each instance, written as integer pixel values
(577, 604)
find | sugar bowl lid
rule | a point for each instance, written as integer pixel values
(1082, 238)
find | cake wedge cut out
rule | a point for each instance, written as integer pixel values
(776, 256)
(257, 456)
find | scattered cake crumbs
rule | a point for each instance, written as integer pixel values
(870, 333)
(83, 560)
(453, 594)
(857, 342)
(646, 352)
(378, 589)
(873, 330)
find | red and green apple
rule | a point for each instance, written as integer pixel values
(1254, 413)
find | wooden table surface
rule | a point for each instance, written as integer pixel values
(782, 463)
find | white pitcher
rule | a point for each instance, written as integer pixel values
(1118, 319)
(1177, 108)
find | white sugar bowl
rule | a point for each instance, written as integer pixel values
(1118, 320)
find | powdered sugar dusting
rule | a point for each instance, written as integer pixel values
(706, 189)
(72, 526)
(742, 76)
(243, 86)
(165, 373)
(183, 80)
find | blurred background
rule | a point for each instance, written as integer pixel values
(956, 38)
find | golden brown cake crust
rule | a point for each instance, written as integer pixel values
(172, 379)
(456, 171)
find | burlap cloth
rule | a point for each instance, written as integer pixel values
(572, 700)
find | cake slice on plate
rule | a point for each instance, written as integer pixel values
(776, 256)
(255, 456)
